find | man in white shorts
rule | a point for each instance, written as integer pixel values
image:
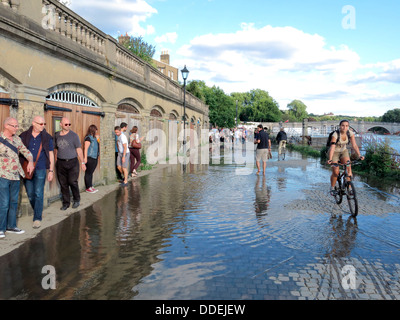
(123, 154)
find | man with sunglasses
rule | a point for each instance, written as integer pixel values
(68, 149)
(33, 138)
(10, 171)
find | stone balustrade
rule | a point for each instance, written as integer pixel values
(75, 32)
(60, 19)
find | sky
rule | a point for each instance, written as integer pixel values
(333, 55)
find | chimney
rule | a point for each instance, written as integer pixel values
(164, 57)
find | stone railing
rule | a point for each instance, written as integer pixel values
(129, 61)
(67, 23)
(13, 4)
(69, 31)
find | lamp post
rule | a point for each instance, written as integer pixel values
(185, 73)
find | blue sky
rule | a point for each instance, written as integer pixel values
(336, 56)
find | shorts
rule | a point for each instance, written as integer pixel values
(337, 155)
(119, 161)
(262, 155)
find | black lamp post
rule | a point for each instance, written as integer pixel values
(185, 74)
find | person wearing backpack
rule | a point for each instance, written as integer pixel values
(337, 143)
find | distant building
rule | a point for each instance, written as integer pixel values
(164, 66)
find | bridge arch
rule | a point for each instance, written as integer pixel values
(377, 126)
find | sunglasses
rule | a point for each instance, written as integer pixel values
(67, 124)
(41, 123)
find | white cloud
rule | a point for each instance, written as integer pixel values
(170, 37)
(289, 64)
(109, 15)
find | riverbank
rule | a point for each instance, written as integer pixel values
(53, 215)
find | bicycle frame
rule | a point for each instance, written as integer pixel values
(345, 186)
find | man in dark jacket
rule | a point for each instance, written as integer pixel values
(32, 138)
(281, 139)
(263, 148)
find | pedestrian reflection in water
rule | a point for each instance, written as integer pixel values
(263, 197)
(343, 237)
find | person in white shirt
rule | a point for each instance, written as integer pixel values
(123, 154)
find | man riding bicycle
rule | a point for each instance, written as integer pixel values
(338, 150)
(281, 139)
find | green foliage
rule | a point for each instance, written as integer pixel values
(298, 110)
(197, 88)
(379, 158)
(139, 47)
(258, 106)
(305, 150)
(222, 108)
(392, 116)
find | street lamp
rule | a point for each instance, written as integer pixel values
(185, 74)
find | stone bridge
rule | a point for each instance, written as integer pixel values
(54, 63)
(317, 128)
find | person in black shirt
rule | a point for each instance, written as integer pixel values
(263, 148)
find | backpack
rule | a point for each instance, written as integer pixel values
(328, 142)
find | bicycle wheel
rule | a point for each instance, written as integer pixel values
(352, 198)
(338, 191)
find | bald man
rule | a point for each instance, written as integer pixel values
(10, 171)
(33, 138)
(68, 149)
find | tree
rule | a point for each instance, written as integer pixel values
(222, 109)
(298, 110)
(196, 88)
(138, 47)
(257, 105)
(392, 116)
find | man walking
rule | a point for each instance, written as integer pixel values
(36, 138)
(123, 154)
(10, 171)
(263, 148)
(67, 151)
(281, 139)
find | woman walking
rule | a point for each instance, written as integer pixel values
(91, 154)
(134, 148)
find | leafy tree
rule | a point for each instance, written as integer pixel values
(257, 105)
(197, 87)
(222, 109)
(298, 110)
(392, 116)
(138, 47)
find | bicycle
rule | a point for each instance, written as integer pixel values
(344, 186)
(282, 149)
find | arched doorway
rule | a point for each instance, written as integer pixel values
(82, 112)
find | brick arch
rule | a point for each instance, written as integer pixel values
(92, 94)
(130, 105)
(157, 111)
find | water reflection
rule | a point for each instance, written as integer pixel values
(263, 196)
(343, 236)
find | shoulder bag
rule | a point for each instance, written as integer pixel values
(29, 176)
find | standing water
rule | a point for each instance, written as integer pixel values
(203, 232)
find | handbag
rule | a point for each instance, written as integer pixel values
(136, 145)
(28, 175)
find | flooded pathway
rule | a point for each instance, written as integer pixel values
(202, 232)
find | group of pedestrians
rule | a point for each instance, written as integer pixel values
(127, 152)
(43, 154)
